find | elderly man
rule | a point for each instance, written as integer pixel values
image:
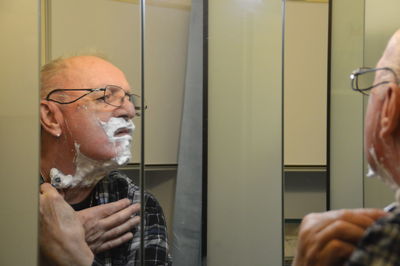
(85, 112)
(330, 238)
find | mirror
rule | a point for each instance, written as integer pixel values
(305, 114)
(361, 31)
(161, 57)
(380, 23)
(174, 121)
(110, 29)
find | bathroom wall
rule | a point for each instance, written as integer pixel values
(19, 131)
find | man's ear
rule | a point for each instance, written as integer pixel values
(50, 118)
(390, 112)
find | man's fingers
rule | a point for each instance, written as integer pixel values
(336, 252)
(340, 230)
(121, 216)
(46, 187)
(108, 225)
(102, 211)
(357, 217)
(114, 242)
(108, 209)
(363, 218)
(330, 238)
(121, 229)
(333, 233)
(373, 213)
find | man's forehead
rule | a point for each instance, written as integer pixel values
(93, 72)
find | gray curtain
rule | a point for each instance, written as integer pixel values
(186, 248)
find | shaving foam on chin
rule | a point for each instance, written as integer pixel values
(89, 171)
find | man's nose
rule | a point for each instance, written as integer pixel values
(128, 107)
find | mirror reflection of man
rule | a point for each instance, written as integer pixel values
(359, 237)
(85, 112)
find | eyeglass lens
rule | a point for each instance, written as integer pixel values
(115, 96)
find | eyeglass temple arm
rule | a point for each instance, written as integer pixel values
(80, 97)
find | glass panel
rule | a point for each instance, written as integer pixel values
(110, 29)
(380, 23)
(305, 114)
(346, 106)
(355, 45)
(173, 140)
(19, 131)
(245, 133)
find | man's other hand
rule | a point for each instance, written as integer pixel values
(109, 225)
(61, 235)
(329, 238)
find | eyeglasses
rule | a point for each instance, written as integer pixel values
(111, 94)
(362, 78)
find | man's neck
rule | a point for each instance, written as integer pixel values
(73, 174)
(71, 195)
(76, 195)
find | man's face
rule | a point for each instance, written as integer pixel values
(83, 119)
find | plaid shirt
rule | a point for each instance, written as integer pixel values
(115, 187)
(380, 244)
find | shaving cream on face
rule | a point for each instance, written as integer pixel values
(89, 171)
(122, 143)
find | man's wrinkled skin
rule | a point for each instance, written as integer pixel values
(103, 230)
(62, 237)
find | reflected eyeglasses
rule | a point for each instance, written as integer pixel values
(110, 94)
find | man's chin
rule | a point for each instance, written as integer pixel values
(123, 159)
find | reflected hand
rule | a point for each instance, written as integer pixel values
(61, 235)
(109, 225)
(329, 238)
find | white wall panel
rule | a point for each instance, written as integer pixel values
(19, 131)
(245, 133)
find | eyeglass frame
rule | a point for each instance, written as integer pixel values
(363, 70)
(91, 90)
